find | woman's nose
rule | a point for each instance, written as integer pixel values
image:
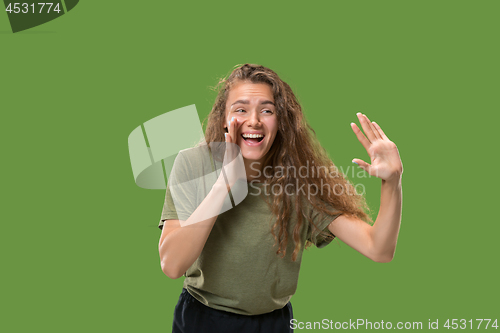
(254, 119)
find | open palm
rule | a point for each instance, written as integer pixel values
(384, 155)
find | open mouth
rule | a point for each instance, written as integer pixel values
(253, 138)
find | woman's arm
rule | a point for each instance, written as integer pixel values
(180, 246)
(377, 242)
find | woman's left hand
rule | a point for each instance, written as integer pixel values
(384, 155)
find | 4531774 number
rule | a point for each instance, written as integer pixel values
(25, 8)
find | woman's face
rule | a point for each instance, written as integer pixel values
(252, 105)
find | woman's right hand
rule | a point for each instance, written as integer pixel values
(232, 166)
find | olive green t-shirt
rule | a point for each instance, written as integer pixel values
(238, 269)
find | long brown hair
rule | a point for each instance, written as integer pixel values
(295, 146)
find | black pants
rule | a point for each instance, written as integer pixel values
(191, 316)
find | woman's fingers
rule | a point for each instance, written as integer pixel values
(229, 129)
(233, 125)
(231, 138)
(368, 127)
(235, 128)
(361, 137)
(363, 165)
(374, 129)
(382, 134)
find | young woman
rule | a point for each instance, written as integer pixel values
(241, 267)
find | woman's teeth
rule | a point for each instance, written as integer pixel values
(252, 136)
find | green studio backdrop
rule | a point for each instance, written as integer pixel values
(80, 240)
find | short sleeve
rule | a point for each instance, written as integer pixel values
(180, 194)
(322, 221)
(168, 212)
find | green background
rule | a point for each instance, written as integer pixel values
(80, 240)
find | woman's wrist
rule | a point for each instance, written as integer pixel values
(394, 181)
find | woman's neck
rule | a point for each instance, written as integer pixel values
(253, 170)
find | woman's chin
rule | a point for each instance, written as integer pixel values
(252, 156)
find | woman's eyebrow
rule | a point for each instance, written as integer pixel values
(244, 101)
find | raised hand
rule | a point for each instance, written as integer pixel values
(233, 165)
(384, 155)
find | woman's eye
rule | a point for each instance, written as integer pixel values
(268, 111)
(239, 110)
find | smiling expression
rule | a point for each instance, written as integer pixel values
(252, 105)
